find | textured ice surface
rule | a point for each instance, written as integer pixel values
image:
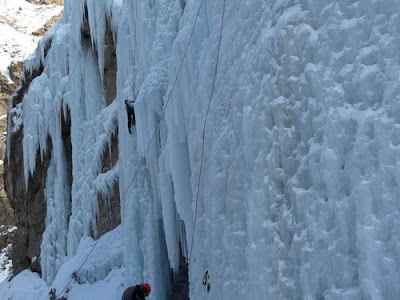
(300, 184)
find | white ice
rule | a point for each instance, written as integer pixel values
(299, 187)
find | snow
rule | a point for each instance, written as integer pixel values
(90, 280)
(18, 19)
(5, 263)
(298, 196)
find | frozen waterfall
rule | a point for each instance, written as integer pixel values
(299, 189)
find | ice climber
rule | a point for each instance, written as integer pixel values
(131, 113)
(137, 292)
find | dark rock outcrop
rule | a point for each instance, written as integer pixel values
(180, 281)
(66, 137)
(59, 2)
(29, 206)
(50, 23)
(109, 210)
(6, 87)
(109, 215)
(16, 70)
(29, 203)
(7, 218)
(110, 66)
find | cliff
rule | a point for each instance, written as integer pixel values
(17, 39)
(265, 151)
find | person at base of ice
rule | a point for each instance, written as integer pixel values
(137, 292)
(130, 110)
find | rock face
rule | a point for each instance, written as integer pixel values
(6, 211)
(7, 218)
(15, 69)
(109, 215)
(28, 202)
(110, 66)
(48, 25)
(28, 205)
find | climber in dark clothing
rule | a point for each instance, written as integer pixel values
(137, 292)
(131, 113)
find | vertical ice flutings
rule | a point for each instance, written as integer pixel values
(302, 145)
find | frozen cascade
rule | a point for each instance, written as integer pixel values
(300, 184)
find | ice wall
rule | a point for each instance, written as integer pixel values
(299, 187)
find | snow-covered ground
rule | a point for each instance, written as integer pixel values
(18, 19)
(5, 262)
(97, 279)
(299, 188)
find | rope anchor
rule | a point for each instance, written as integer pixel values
(206, 281)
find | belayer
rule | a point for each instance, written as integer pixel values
(137, 292)
(130, 110)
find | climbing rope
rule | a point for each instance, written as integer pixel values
(135, 50)
(152, 138)
(69, 79)
(147, 149)
(204, 128)
(166, 103)
(206, 274)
